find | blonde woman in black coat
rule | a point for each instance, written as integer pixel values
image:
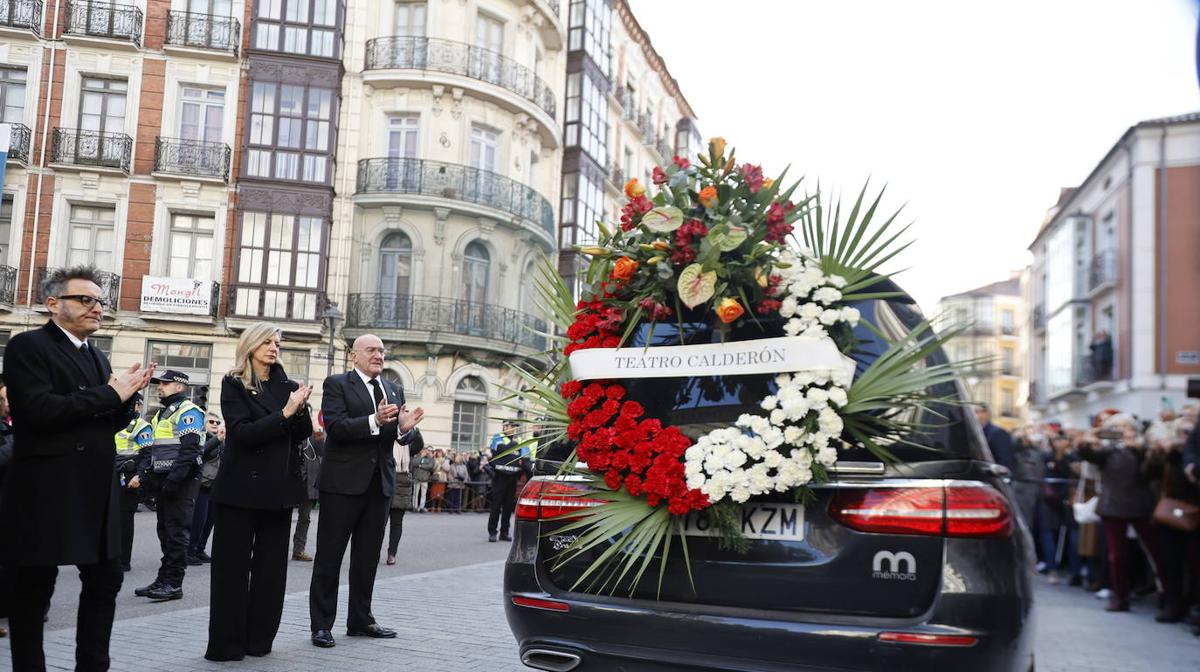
(260, 481)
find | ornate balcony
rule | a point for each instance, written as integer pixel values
(629, 114)
(110, 287)
(617, 176)
(19, 142)
(664, 148)
(459, 58)
(192, 158)
(275, 303)
(204, 31)
(21, 15)
(1102, 272)
(103, 20)
(457, 182)
(8, 285)
(74, 147)
(435, 315)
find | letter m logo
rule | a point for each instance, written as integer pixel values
(897, 563)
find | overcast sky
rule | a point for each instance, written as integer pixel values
(973, 113)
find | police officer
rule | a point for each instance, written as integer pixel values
(506, 466)
(132, 444)
(172, 471)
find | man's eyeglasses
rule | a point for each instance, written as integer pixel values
(85, 300)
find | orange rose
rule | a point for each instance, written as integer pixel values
(624, 268)
(633, 188)
(729, 310)
(768, 183)
(708, 197)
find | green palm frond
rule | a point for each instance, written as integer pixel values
(635, 535)
(857, 248)
(898, 386)
(553, 295)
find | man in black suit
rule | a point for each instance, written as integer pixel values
(61, 499)
(999, 440)
(364, 415)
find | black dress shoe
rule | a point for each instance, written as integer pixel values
(145, 591)
(492, 536)
(505, 537)
(193, 561)
(164, 593)
(323, 639)
(372, 630)
(203, 557)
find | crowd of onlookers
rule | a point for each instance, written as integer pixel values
(1115, 508)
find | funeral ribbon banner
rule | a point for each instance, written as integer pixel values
(786, 354)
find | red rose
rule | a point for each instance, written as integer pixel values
(658, 176)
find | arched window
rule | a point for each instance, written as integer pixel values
(470, 415)
(394, 378)
(395, 264)
(395, 272)
(476, 266)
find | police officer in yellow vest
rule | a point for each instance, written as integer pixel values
(132, 444)
(173, 473)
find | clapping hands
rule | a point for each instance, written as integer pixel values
(296, 400)
(407, 419)
(131, 380)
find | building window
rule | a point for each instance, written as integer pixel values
(90, 236)
(194, 359)
(484, 147)
(1007, 361)
(191, 243)
(6, 213)
(102, 105)
(470, 413)
(1008, 321)
(291, 128)
(201, 114)
(297, 27)
(279, 259)
(103, 344)
(589, 24)
(410, 19)
(476, 264)
(587, 116)
(629, 167)
(1008, 406)
(394, 378)
(582, 205)
(295, 363)
(12, 95)
(395, 264)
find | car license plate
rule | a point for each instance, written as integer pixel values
(781, 522)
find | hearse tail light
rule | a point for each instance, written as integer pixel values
(545, 500)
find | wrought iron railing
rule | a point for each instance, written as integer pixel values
(8, 285)
(617, 176)
(1103, 270)
(192, 158)
(20, 142)
(664, 148)
(101, 19)
(554, 7)
(110, 286)
(21, 14)
(1090, 370)
(455, 181)
(204, 31)
(459, 58)
(91, 148)
(439, 314)
(277, 303)
(628, 113)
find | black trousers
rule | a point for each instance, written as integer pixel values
(504, 502)
(129, 505)
(357, 520)
(32, 589)
(202, 522)
(395, 529)
(249, 575)
(174, 531)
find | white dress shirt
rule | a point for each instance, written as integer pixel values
(74, 341)
(371, 395)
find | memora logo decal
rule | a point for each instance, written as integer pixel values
(890, 566)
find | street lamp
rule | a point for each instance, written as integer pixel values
(332, 317)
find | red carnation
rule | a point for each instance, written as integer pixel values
(657, 176)
(680, 161)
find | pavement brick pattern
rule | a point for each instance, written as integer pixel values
(452, 620)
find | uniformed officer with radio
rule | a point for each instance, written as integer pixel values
(132, 443)
(173, 473)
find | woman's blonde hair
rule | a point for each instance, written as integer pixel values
(252, 337)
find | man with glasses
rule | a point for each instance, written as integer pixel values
(61, 497)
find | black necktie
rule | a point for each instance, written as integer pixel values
(90, 362)
(376, 392)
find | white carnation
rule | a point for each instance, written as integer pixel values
(837, 396)
(851, 316)
(788, 307)
(827, 456)
(792, 434)
(830, 316)
(827, 295)
(837, 281)
(809, 311)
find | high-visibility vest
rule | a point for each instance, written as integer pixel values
(165, 427)
(127, 440)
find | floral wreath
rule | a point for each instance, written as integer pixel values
(713, 243)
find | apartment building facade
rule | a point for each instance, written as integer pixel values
(625, 114)
(990, 319)
(1113, 322)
